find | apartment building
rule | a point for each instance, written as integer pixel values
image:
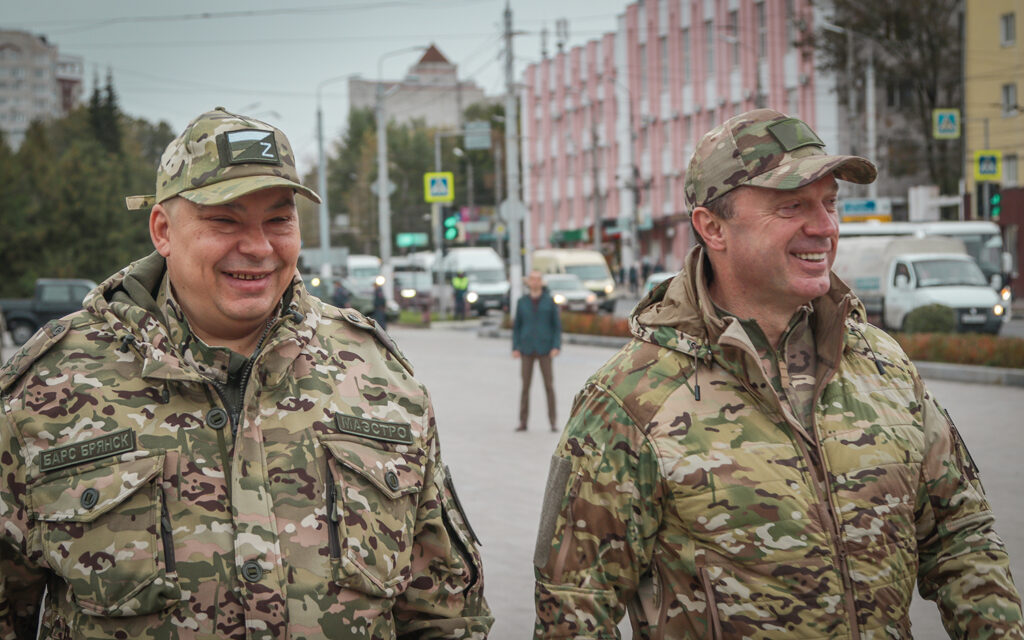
(36, 81)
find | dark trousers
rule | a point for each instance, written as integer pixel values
(549, 386)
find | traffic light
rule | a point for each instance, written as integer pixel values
(451, 227)
(995, 201)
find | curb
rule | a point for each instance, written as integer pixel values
(934, 370)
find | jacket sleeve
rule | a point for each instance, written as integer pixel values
(517, 328)
(21, 579)
(964, 566)
(445, 597)
(556, 325)
(602, 509)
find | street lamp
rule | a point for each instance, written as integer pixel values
(383, 181)
(325, 234)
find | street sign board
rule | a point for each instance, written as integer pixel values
(857, 209)
(414, 239)
(945, 124)
(988, 165)
(478, 135)
(438, 186)
(374, 186)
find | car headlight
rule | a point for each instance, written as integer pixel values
(591, 298)
(379, 281)
(1005, 294)
(559, 298)
(408, 293)
(315, 282)
(999, 309)
(471, 297)
(608, 288)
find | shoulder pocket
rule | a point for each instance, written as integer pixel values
(373, 497)
(102, 533)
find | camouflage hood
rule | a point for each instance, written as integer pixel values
(678, 314)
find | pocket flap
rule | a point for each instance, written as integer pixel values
(82, 496)
(391, 472)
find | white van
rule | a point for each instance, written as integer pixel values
(361, 271)
(587, 264)
(488, 284)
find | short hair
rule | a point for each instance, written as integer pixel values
(721, 207)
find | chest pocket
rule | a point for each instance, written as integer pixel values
(372, 500)
(103, 534)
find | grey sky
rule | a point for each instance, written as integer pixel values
(172, 61)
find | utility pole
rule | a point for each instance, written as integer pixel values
(513, 206)
(595, 191)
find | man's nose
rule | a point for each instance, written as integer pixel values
(254, 241)
(823, 221)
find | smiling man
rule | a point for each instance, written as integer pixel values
(208, 451)
(759, 462)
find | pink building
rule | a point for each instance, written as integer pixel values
(610, 126)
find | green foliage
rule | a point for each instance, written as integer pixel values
(964, 348)
(931, 318)
(62, 195)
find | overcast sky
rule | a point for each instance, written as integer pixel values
(172, 61)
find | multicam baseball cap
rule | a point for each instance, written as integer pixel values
(764, 148)
(221, 156)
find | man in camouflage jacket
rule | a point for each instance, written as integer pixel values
(208, 451)
(759, 462)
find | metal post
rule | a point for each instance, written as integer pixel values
(435, 221)
(869, 111)
(383, 195)
(513, 209)
(325, 234)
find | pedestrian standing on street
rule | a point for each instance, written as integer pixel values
(460, 284)
(759, 462)
(341, 295)
(536, 338)
(633, 283)
(207, 450)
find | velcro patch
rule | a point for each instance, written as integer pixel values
(793, 134)
(249, 145)
(104, 446)
(375, 429)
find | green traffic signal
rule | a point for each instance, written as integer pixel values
(995, 205)
(451, 229)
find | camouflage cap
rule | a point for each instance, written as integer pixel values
(221, 156)
(764, 148)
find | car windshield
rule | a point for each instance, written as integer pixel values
(985, 249)
(486, 276)
(947, 273)
(588, 271)
(563, 283)
(361, 273)
(412, 279)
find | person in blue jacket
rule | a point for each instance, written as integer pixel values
(536, 337)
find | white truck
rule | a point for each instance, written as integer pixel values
(488, 284)
(894, 276)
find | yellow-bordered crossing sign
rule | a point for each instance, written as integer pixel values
(438, 186)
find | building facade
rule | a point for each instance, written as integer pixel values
(609, 126)
(36, 81)
(431, 91)
(993, 117)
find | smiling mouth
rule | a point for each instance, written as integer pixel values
(812, 257)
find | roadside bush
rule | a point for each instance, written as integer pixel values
(931, 318)
(597, 324)
(964, 348)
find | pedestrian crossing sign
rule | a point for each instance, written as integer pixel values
(438, 186)
(945, 124)
(988, 165)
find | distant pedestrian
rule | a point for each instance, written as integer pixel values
(380, 306)
(536, 337)
(341, 295)
(460, 284)
(633, 279)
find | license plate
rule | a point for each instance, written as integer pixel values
(972, 318)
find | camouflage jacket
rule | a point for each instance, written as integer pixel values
(685, 492)
(147, 511)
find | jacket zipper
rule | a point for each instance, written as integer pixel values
(712, 606)
(333, 540)
(165, 534)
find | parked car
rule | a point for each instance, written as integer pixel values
(655, 279)
(358, 297)
(413, 289)
(569, 293)
(54, 298)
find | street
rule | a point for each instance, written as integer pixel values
(500, 474)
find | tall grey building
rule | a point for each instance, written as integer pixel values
(36, 82)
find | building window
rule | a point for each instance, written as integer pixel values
(1010, 106)
(1007, 29)
(663, 55)
(1010, 170)
(762, 30)
(733, 29)
(791, 34)
(685, 42)
(709, 46)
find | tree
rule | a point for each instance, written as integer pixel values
(918, 59)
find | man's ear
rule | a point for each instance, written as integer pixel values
(160, 229)
(710, 227)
